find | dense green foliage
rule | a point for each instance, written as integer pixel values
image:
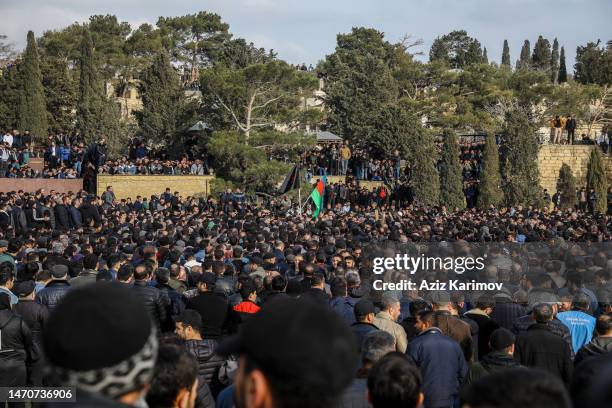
(457, 50)
(597, 180)
(566, 187)
(490, 192)
(519, 166)
(505, 59)
(451, 179)
(594, 64)
(562, 67)
(163, 101)
(32, 112)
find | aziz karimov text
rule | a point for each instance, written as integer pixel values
(451, 285)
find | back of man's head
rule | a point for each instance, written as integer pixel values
(394, 382)
(376, 345)
(388, 301)
(90, 261)
(603, 326)
(581, 302)
(174, 378)
(542, 312)
(516, 387)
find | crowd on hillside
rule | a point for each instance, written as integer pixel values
(64, 156)
(202, 286)
(341, 159)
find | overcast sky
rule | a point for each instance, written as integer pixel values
(305, 31)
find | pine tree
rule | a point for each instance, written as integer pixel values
(520, 173)
(162, 100)
(426, 181)
(566, 187)
(524, 61)
(562, 68)
(451, 179)
(32, 106)
(490, 192)
(59, 93)
(10, 91)
(505, 60)
(90, 92)
(485, 57)
(541, 57)
(97, 116)
(596, 180)
(554, 62)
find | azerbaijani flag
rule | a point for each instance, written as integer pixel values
(317, 197)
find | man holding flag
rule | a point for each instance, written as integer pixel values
(317, 197)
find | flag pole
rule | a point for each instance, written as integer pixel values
(300, 200)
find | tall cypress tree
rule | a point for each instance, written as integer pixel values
(596, 180)
(451, 180)
(32, 106)
(541, 57)
(485, 57)
(521, 176)
(554, 62)
(90, 92)
(162, 100)
(524, 61)
(426, 181)
(97, 116)
(505, 59)
(562, 68)
(489, 192)
(566, 187)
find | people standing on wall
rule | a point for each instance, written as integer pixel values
(570, 126)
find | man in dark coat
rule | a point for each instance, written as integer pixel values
(35, 316)
(188, 328)
(18, 349)
(601, 343)
(539, 347)
(176, 303)
(212, 307)
(364, 316)
(55, 290)
(501, 356)
(441, 362)
(151, 297)
(481, 315)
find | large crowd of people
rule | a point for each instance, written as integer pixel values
(179, 302)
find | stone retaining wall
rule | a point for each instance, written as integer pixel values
(32, 185)
(146, 186)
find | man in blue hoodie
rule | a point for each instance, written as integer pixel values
(578, 321)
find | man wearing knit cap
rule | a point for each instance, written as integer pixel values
(501, 356)
(100, 340)
(313, 372)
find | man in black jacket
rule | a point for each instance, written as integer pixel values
(17, 349)
(539, 347)
(175, 301)
(481, 315)
(35, 316)
(55, 290)
(212, 307)
(188, 328)
(153, 299)
(63, 220)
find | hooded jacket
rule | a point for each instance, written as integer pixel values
(597, 346)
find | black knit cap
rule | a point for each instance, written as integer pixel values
(322, 355)
(96, 326)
